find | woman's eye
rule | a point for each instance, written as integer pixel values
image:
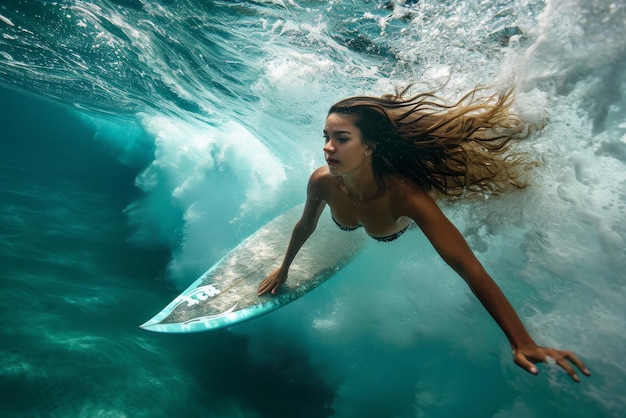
(326, 138)
(342, 140)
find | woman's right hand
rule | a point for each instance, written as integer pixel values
(272, 282)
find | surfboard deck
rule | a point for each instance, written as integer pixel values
(226, 294)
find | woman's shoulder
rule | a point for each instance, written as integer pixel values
(320, 173)
(321, 181)
(404, 192)
(402, 186)
(321, 177)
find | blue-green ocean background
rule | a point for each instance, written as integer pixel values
(141, 140)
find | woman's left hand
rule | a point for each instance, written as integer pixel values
(525, 357)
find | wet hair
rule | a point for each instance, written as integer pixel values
(450, 149)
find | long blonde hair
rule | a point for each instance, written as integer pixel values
(457, 149)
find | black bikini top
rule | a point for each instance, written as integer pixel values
(379, 239)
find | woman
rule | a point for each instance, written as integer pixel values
(386, 159)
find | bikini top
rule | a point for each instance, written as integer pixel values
(379, 239)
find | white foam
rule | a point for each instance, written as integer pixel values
(210, 177)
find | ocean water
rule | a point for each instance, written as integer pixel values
(141, 140)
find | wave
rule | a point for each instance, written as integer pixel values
(216, 108)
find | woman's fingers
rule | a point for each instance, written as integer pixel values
(264, 288)
(574, 359)
(271, 283)
(562, 358)
(521, 360)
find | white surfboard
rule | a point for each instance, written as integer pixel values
(227, 293)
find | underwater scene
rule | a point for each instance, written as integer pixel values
(141, 141)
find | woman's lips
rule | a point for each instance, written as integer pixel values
(332, 161)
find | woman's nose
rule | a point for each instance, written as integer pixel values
(329, 147)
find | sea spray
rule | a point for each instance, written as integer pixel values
(400, 335)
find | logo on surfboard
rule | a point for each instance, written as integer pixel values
(199, 294)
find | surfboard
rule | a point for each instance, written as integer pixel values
(226, 294)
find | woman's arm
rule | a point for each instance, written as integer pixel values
(301, 232)
(453, 248)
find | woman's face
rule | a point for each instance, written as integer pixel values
(344, 149)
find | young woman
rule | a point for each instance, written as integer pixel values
(386, 159)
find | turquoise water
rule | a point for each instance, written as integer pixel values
(141, 141)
